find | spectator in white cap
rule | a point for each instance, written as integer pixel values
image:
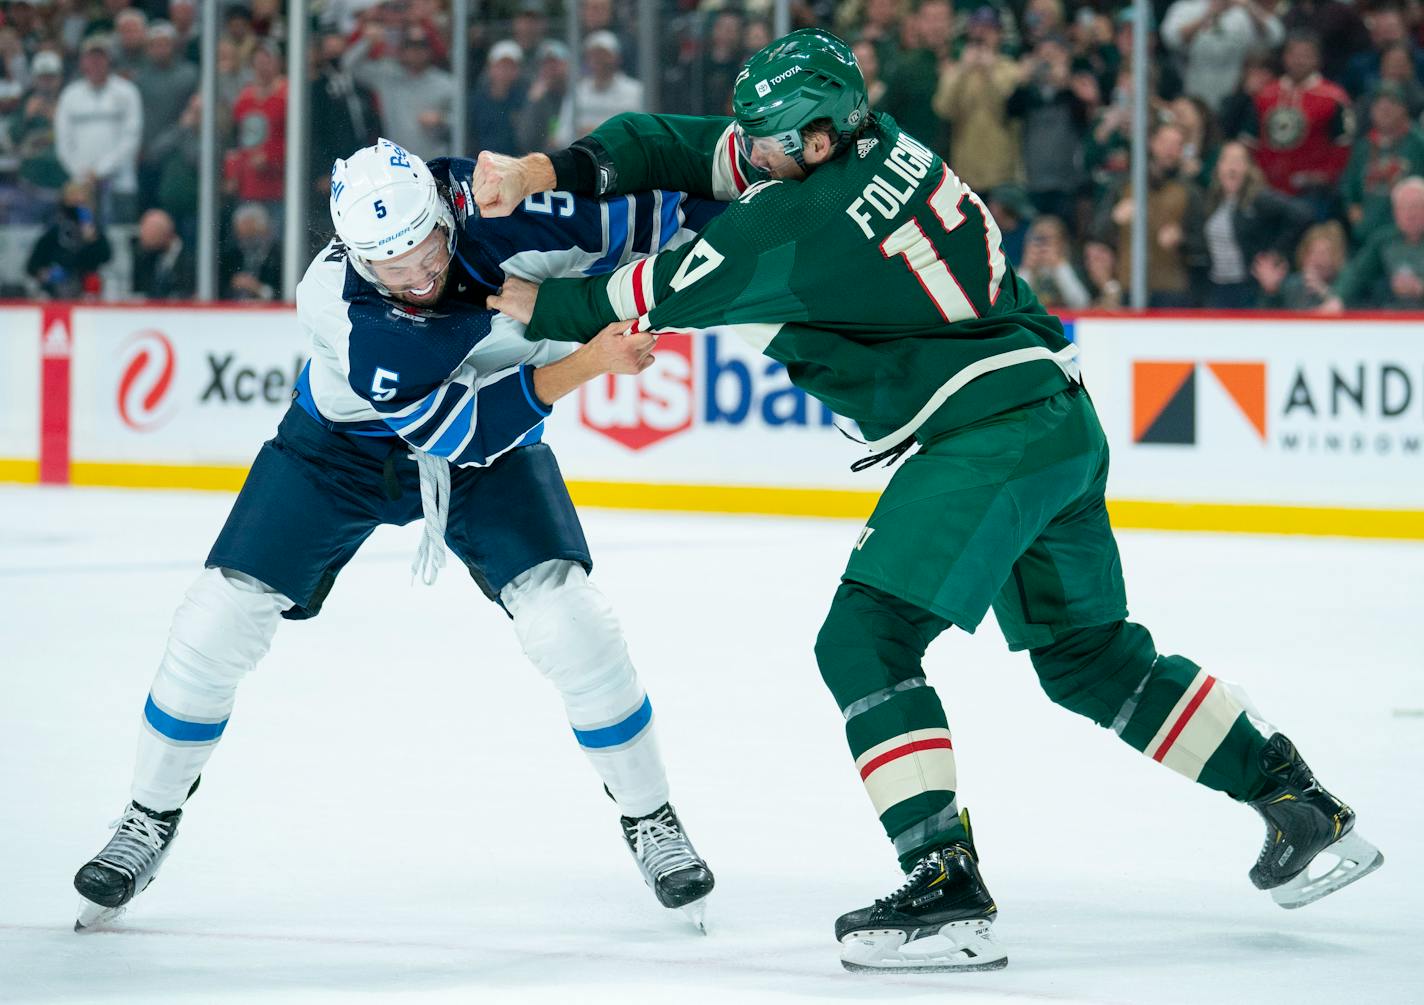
(599, 15)
(32, 133)
(604, 90)
(497, 101)
(98, 125)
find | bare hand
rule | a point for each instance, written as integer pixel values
(501, 183)
(619, 352)
(1406, 285)
(1270, 270)
(1170, 236)
(1085, 87)
(1122, 212)
(1333, 305)
(515, 298)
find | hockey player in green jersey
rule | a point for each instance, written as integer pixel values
(856, 257)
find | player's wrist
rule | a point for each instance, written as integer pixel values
(554, 380)
(538, 174)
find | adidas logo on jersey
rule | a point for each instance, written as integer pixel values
(863, 147)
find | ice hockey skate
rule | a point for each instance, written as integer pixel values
(670, 865)
(1311, 847)
(126, 865)
(938, 921)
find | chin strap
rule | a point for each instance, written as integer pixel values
(435, 505)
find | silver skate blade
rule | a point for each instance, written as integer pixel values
(957, 946)
(1334, 867)
(94, 916)
(696, 912)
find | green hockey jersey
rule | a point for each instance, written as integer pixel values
(879, 281)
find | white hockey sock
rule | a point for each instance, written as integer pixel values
(220, 631)
(569, 632)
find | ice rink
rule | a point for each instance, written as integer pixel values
(398, 811)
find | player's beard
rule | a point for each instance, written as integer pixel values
(430, 296)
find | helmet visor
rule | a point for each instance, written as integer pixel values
(419, 268)
(768, 149)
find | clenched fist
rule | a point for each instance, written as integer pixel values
(501, 182)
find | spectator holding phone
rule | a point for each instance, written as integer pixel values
(972, 95)
(1212, 38)
(66, 259)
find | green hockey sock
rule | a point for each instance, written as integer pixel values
(1165, 706)
(870, 651)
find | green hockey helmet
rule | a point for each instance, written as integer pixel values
(807, 75)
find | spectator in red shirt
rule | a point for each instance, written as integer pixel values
(254, 170)
(1303, 128)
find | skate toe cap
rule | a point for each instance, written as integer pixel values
(685, 886)
(103, 886)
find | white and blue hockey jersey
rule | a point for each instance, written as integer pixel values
(456, 380)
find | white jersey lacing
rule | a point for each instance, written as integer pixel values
(435, 505)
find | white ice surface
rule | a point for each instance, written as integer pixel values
(398, 811)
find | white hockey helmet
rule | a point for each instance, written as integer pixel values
(384, 202)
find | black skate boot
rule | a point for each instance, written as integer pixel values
(937, 921)
(670, 865)
(128, 863)
(1304, 821)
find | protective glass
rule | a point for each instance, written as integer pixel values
(787, 143)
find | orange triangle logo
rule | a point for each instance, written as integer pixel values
(1154, 385)
(1246, 383)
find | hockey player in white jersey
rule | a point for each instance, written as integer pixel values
(418, 400)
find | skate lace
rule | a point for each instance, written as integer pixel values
(139, 840)
(916, 874)
(663, 848)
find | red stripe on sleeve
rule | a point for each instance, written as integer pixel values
(899, 752)
(1182, 721)
(639, 301)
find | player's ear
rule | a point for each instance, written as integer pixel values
(818, 146)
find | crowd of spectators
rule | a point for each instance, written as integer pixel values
(1286, 158)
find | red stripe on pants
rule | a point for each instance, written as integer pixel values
(899, 752)
(1186, 716)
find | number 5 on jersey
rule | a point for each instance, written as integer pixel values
(383, 384)
(922, 257)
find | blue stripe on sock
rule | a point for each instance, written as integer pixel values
(180, 729)
(619, 732)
